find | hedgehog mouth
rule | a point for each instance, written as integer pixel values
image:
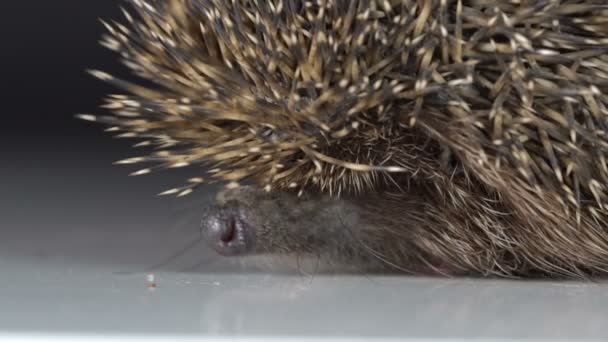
(227, 231)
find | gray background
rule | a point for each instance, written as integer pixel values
(77, 235)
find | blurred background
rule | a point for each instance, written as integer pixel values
(56, 171)
(77, 235)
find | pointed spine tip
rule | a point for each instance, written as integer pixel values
(86, 117)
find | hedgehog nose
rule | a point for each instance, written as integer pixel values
(227, 231)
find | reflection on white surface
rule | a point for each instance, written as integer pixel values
(98, 301)
(147, 338)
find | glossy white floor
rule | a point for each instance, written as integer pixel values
(42, 300)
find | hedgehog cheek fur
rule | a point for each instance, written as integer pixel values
(245, 221)
(376, 233)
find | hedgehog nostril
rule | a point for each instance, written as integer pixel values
(227, 231)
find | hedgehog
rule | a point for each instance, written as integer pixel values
(440, 137)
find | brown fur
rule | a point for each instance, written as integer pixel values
(470, 135)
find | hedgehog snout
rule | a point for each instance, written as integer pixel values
(227, 230)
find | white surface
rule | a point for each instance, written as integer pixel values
(60, 300)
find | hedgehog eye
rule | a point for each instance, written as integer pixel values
(449, 161)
